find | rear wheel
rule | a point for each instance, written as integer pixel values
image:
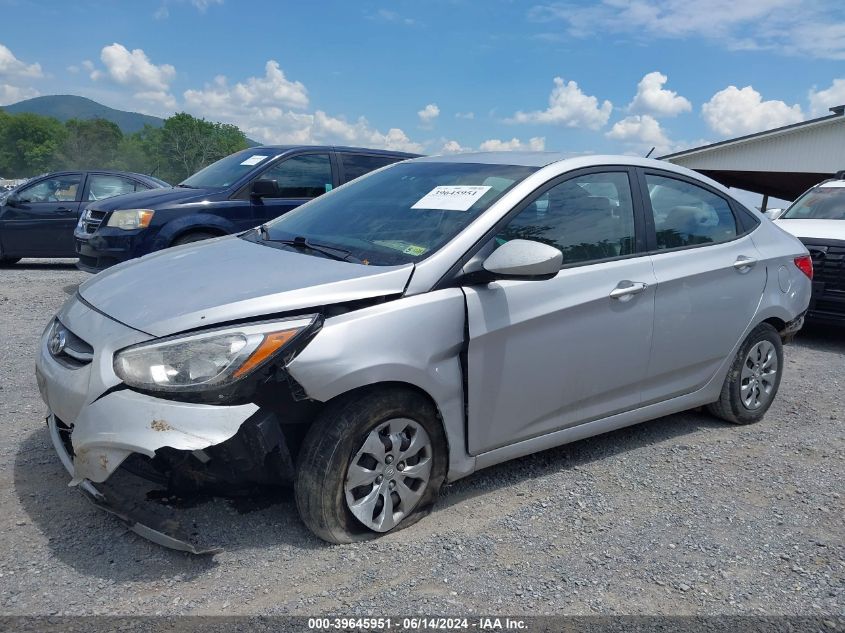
(371, 463)
(197, 236)
(8, 261)
(753, 379)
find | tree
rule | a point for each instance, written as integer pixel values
(28, 144)
(91, 144)
(186, 144)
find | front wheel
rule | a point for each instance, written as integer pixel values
(371, 463)
(753, 379)
(190, 238)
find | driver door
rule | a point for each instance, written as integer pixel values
(40, 222)
(546, 355)
(300, 178)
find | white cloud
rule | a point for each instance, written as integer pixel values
(570, 107)
(11, 66)
(162, 13)
(652, 98)
(272, 109)
(794, 27)
(465, 115)
(12, 94)
(535, 144)
(133, 68)
(256, 94)
(386, 15)
(641, 132)
(453, 147)
(202, 5)
(822, 100)
(88, 65)
(428, 114)
(734, 111)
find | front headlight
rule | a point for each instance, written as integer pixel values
(209, 360)
(128, 219)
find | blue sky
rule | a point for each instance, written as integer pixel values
(615, 76)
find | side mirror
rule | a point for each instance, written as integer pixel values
(263, 188)
(774, 214)
(12, 200)
(524, 259)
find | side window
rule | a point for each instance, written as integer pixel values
(306, 176)
(101, 186)
(355, 165)
(588, 218)
(58, 189)
(686, 214)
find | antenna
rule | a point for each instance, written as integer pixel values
(649, 152)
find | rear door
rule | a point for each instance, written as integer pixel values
(546, 355)
(709, 282)
(41, 222)
(300, 178)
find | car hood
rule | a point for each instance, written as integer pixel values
(814, 229)
(227, 279)
(153, 198)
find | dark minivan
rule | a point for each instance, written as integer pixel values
(234, 194)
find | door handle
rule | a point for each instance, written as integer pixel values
(64, 210)
(627, 289)
(743, 263)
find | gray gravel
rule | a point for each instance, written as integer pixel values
(682, 515)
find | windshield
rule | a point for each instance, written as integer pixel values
(398, 215)
(227, 170)
(821, 203)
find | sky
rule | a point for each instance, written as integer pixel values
(612, 76)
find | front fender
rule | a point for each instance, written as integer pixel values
(192, 222)
(415, 340)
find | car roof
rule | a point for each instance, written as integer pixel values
(567, 162)
(336, 148)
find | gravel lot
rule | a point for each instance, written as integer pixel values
(682, 515)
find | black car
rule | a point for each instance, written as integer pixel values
(37, 219)
(234, 194)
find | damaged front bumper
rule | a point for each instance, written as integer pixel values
(140, 517)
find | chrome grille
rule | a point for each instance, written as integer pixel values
(91, 220)
(67, 347)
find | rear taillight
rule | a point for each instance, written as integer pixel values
(805, 265)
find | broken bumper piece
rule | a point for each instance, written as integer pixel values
(124, 496)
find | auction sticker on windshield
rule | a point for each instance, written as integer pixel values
(451, 197)
(253, 160)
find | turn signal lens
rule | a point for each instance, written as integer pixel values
(805, 265)
(269, 346)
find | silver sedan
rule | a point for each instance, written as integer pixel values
(423, 322)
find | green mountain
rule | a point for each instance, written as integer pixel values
(64, 107)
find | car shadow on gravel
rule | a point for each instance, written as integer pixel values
(35, 264)
(97, 544)
(570, 456)
(823, 338)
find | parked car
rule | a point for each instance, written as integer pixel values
(817, 218)
(234, 194)
(37, 219)
(423, 322)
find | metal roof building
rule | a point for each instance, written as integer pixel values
(781, 163)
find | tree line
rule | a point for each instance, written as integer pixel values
(32, 144)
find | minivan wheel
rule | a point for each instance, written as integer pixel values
(371, 463)
(753, 379)
(190, 238)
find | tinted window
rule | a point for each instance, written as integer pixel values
(101, 186)
(821, 203)
(58, 189)
(588, 218)
(355, 165)
(229, 170)
(306, 176)
(401, 214)
(686, 214)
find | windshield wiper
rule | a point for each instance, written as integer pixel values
(303, 243)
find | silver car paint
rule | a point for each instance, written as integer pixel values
(416, 339)
(229, 286)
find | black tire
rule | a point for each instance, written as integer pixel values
(9, 261)
(332, 442)
(196, 236)
(730, 406)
